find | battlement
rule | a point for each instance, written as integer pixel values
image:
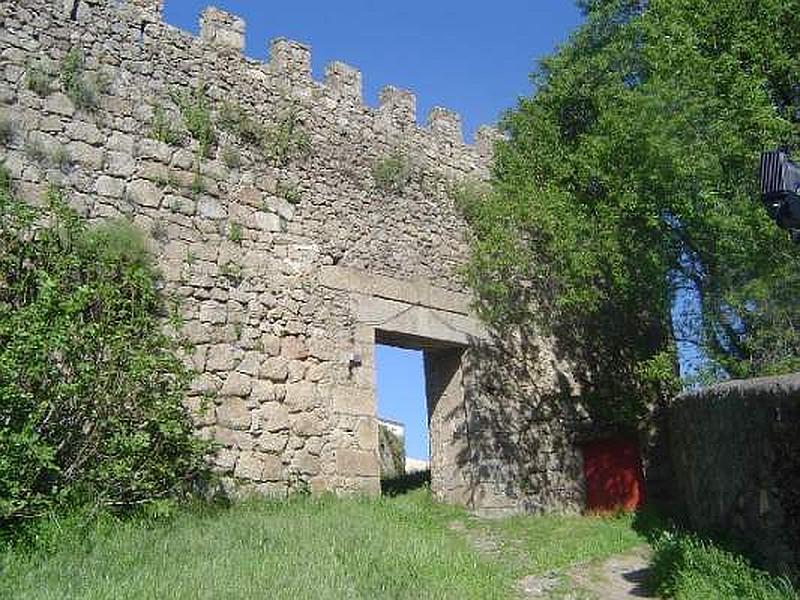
(290, 67)
(222, 30)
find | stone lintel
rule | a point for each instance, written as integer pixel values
(437, 326)
(418, 292)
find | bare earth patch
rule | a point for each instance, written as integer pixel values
(619, 577)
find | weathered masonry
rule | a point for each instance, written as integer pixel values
(293, 251)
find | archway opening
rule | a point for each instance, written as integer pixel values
(420, 403)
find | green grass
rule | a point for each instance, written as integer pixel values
(686, 567)
(404, 546)
(536, 545)
(328, 548)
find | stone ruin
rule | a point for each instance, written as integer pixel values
(292, 261)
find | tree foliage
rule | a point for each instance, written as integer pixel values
(91, 388)
(631, 172)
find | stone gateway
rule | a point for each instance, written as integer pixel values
(296, 227)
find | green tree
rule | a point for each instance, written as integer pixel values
(631, 171)
(91, 388)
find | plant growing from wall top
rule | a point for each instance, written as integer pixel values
(91, 388)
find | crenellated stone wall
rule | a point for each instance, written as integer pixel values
(293, 256)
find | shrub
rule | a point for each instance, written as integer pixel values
(231, 156)
(36, 151)
(286, 140)
(61, 158)
(80, 88)
(91, 388)
(687, 567)
(235, 232)
(39, 80)
(7, 131)
(197, 117)
(56, 156)
(163, 129)
(289, 192)
(392, 173)
(235, 121)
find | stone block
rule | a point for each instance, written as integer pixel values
(84, 132)
(233, 414)
(120, 164)
(208, 208)
(59, 104)
(213, 312)
(250, 465)
(353, 401)
(275, 369)
(322, 348)
(201, 411)
(231, 438)
(306, 463)
(110, 187)
(264, 391)
(273, 443)
(145, 193)
(251, 364)
(225, 458)
(294, 348)
(205, 384)
(223, 357)
(367, 434)
(309, 424)
(237, 384)
(357, 462)
(274, 417)
(86, 155)
(301, 397)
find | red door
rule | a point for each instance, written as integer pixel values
(613, 472)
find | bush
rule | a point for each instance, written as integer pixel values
(392, 173)
(81, 89)
(39, 79)
(686, 567)
(196, 111)
(7, 131)
(163, 128)
(91, 388)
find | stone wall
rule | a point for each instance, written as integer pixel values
(291, 257)
(735, 450)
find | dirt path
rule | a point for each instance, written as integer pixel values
(619, 577)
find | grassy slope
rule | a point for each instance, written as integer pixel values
(401, 547)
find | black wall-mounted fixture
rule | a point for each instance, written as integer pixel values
(780, 190)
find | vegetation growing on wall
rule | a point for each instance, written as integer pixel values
(81, 88)
(39, 78)
(631, 173)
(392, 173)
(91, 388)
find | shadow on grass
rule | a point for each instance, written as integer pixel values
(693, 565)
(404, 484)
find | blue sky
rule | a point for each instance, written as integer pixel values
(471, 57)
